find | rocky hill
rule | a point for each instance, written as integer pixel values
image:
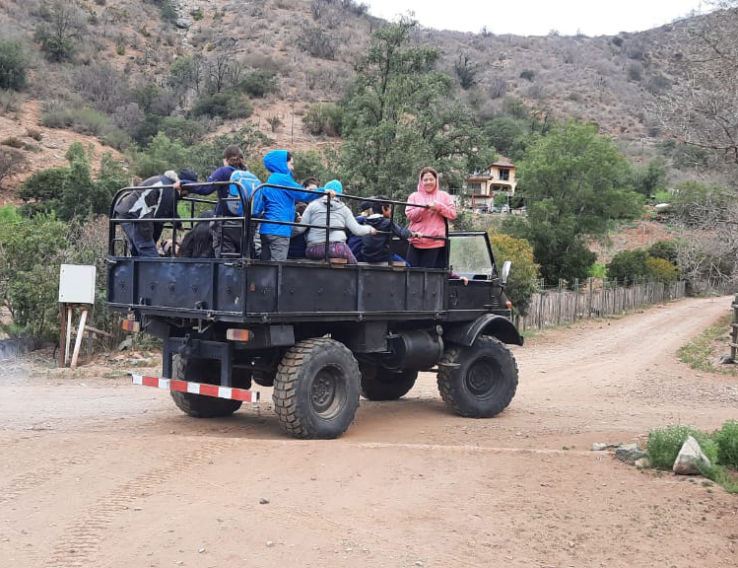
(121, 62)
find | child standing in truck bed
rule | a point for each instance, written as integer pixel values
(376, 248)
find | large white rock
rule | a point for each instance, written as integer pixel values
(689, 458)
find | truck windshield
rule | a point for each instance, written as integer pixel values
(468, 255)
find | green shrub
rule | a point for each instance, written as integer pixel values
(727, 444)
(664, 249)
(187, 131)
(13, 64)
(259, 84)
(628, 265)
(323, 118)
(661, 270)
(226, 104)
(31, 250)
(117, 138)
(160, 155)
(56, 49)
(664, 444)
(523, 280)
(82, 120)
(597, 270)
(527, 74)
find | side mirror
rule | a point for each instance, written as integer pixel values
(506, 266)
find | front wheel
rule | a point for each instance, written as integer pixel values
(478, 381)
(316, 389)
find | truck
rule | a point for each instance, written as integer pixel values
(321, 333)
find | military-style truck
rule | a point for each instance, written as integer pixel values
(321, 333)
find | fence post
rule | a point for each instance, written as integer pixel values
(734, 334)
(576, 298)
(561, 299)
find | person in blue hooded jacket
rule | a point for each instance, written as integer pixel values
(274, 204)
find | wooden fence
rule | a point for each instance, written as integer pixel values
(597, 298)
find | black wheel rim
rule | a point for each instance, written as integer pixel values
(328, 392)
(481, 378)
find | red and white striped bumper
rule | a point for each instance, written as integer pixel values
(197, 388)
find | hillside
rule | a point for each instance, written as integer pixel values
(123, 56)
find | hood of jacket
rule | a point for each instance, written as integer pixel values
(276, 162)
(376, 220)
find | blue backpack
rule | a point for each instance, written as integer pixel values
(248, 182)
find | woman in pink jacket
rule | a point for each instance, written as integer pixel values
(429, 221)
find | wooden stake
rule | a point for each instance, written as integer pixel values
(60, 359)
(69, 334)
(78, 340)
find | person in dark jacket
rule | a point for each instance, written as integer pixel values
(157, 199)
(274, 204)
(376, 248)
(355, 241)
(226, 235)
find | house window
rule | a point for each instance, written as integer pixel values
(504, 174)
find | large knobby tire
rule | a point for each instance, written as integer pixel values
(198, 405)
(478, 381)
(316, 390)
(380, 383)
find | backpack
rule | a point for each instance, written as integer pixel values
(248, 182)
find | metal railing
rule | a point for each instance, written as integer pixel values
(246, 223)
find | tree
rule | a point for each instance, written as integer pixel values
(398, 116)
(703, 110)
(575, 183)
(704, 217)
(70, 192)
(58, 37)
(13, 64)
(187, 73)
(523, 280)
(651, 179)
(509, 136)
(466, 71)
(29, 270)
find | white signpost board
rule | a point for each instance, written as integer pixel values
(76, 286)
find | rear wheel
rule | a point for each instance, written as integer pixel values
(478, 381)
(316, 389)
(197, 405)
(380, 383)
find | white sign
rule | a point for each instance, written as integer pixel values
(77, 284)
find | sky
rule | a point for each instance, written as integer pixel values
(539, 17)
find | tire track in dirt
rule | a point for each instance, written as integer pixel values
(77, 547)
(26, 482)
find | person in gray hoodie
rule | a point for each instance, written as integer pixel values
(341, 219)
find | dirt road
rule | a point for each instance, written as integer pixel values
(98, 473)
